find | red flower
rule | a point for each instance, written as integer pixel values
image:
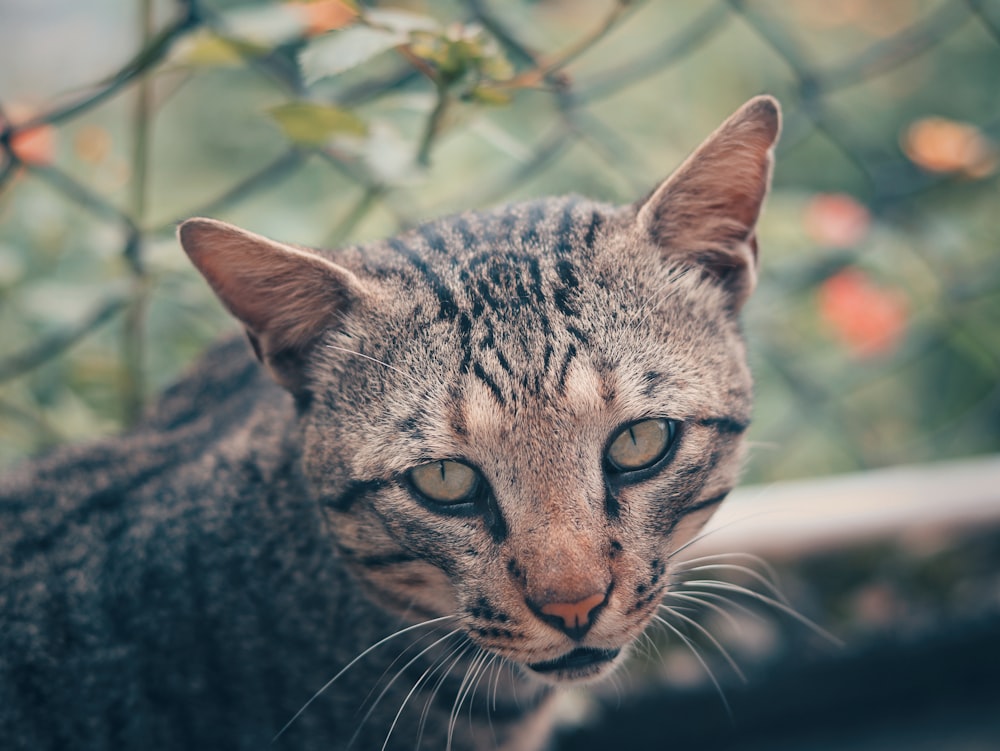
(868, 319)
(836, 220)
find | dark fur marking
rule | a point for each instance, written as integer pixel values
(389, 559)
(355, 491)
(578, 335)
(433, 238)
(564, 295)
(536, 215)
(536, 280)
(564, 235)
(654, 382)
(487, 294)
(448, 308)
(481, 374)
(504, 363)
(700, 506)
(731, 425)
(596, 222)
(546, 357)
(496, 525)
(564, 368)
(469, 239)
(612, 507)
(465, 341)
(707, 503)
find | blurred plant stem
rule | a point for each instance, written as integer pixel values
(134, 331)
(353, 217)
(434, 121)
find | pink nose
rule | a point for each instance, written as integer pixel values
(574, 617)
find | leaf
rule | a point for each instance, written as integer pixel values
(312, 124)
(489, 95)
(341, 50)
(206, 50)
(401, 21)
(268, 25)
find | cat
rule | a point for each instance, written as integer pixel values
(456, 484)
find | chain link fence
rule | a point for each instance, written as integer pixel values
(874, 333)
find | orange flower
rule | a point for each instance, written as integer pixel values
(33, 145)
(941, 145)
(869, 320)
(325, 15)
(836, 220)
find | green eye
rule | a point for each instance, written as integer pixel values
(446, 481)
(640, 445)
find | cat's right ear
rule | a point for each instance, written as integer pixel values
(285, 296)
(706, 212)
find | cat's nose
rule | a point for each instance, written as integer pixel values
(573, 618)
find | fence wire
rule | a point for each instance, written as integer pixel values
(875, 330)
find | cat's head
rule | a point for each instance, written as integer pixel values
(519, 416)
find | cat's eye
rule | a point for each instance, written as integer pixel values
(446, 482)
(640, 445)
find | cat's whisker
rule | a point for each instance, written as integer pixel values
(709, 605)
(456, 656)
(416, 686)
(708, 635)
(764, 564)
(483, 669)
(726, 601)
(353, 662)
(708, 533)
(496, 682)
(463, 690)
(402, 655)
(694, 651)
(487, 664)
(491, 667)
(388, 685)
(776, 604)
(403, 373)
(752, 573)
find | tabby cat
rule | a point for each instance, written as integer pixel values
(457, 482)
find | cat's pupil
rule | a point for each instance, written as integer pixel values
(640, 445)
(445, 481)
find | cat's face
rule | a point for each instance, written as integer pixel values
(518, 417)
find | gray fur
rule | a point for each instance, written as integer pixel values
(195, 582)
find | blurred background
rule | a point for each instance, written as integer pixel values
(875, 333)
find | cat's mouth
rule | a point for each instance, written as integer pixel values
(582, 662)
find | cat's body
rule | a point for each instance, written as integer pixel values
(186, 596)
(503, 424)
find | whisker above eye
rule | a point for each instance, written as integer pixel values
(375, 360)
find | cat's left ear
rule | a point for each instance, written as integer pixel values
(707, 210)
(286, 297)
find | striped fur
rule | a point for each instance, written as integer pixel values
(196, 582)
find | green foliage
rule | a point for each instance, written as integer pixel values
(311, 124)
(874, 333)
